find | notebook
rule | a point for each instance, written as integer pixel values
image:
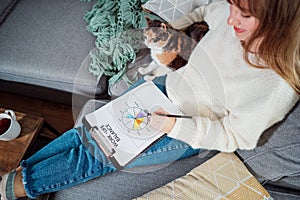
(123, 128)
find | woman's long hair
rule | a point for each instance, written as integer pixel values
(279, 29)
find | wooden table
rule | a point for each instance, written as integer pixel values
(12, 152)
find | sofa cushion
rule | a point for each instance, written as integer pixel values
(171, 10)
(45, 43)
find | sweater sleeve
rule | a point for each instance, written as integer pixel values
(199, 14)
(238, 129)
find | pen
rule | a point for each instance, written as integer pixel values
(176, 116)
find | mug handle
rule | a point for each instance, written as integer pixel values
(11, 113)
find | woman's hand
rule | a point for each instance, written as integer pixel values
(165, 124)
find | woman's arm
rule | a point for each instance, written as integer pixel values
(240, 128)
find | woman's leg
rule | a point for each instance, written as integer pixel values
(69, 160)
(83, 160)
(166, 150)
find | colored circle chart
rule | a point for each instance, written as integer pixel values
(135, 118)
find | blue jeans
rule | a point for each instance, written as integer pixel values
(75, 158)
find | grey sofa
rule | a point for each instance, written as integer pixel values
(275, 163)
(44, 47)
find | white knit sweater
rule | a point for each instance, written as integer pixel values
(233, 103)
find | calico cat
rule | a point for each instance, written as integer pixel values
(170, 49)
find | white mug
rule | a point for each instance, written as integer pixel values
(14, 129)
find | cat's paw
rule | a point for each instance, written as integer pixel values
(148, 69)
(148, 77)
(143, 70)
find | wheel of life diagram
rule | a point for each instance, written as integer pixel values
(135, 118)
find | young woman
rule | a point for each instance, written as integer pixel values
(241, 78)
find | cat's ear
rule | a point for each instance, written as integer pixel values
(148, 20)
(163, 26)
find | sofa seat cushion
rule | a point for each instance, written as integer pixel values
(45, 43)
